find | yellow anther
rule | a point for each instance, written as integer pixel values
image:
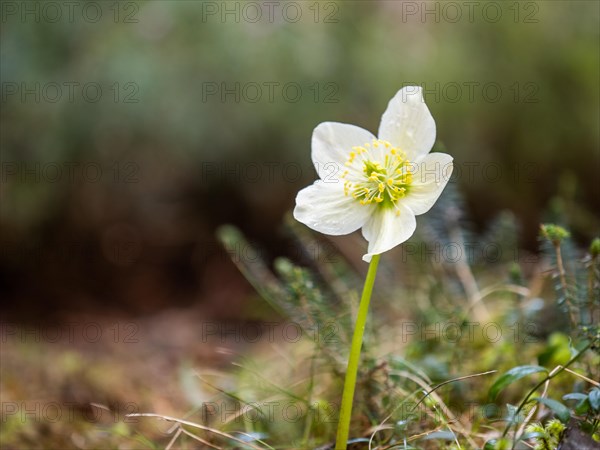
(385, 180)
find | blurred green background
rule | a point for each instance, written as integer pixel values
(128, 137)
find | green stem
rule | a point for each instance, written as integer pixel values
(350, 381)
(564, 285)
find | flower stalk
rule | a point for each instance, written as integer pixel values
(354, 358)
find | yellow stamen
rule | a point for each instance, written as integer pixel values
(384, 181)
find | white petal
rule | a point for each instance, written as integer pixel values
(324, 208)
(430, 177)
(386, 229)
(332, 143)
(408, 124)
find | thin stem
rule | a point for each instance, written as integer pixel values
(591, 279)
(309, 412)
(351, 372)
(565, 287)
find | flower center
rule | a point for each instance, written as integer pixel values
(380, 173)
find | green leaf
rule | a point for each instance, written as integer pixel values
(532, 435)
(252, 437)
(514, 374)
(490, 445)
(583, 406)
(511, 414)
(574, 396)
(497, 444)
(594, 397)
(444, 435)
(561, 411)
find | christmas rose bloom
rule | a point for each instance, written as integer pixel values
(379, 183)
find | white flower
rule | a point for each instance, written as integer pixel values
(377, 184)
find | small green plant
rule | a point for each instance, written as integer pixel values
(419, 385)
(546, 437)
(577, 279)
